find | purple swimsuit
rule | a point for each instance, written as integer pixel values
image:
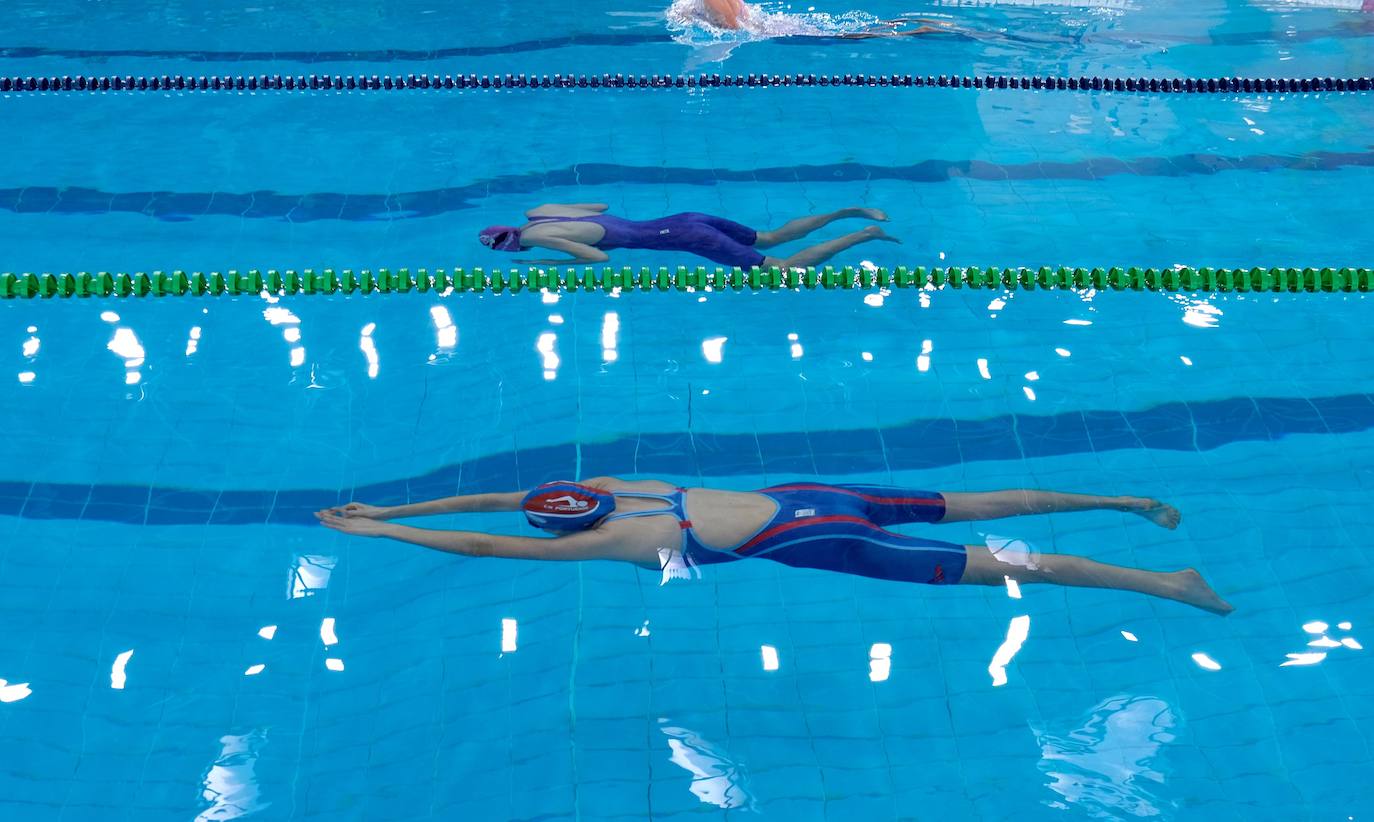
(715, 238)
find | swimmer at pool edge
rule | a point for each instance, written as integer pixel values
(661, 527)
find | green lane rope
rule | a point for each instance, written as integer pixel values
(403, 280)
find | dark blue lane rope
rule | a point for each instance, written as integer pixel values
(317, 82)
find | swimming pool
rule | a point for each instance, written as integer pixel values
(181, 641)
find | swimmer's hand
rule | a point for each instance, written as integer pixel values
(359, 526)
(358, 509)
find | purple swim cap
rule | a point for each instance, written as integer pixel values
(500, 237)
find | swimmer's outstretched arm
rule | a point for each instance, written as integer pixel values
(462, 504)
(586, 545)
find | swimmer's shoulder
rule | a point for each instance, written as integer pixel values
(614, 484)
(566, 210)
(577, 231)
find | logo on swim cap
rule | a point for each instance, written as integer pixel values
(566, 506)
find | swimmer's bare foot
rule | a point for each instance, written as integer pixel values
(876, 233)
(867, 213)
(1160, 513)
(1192, 589)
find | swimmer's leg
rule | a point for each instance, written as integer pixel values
(929, 25)
(998, 504)
(1186, 586)
(883, 33)
(819, 253)
(923, 30)
(802, 226)
(929, 22)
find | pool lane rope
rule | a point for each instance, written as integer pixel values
(361, 82)
(498, 281)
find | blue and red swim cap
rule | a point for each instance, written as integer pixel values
(566, 506)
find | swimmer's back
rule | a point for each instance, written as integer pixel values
(718, 517)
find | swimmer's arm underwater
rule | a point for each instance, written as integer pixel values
(586, 545)
(581, 252)
(462, 504)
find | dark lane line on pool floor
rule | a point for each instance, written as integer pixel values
(1352, 29)
(340, 56)
(916, 445)
(303, 208)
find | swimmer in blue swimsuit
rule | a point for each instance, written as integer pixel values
(842, 528)
(586, 232)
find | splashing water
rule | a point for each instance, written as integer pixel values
(691, 24)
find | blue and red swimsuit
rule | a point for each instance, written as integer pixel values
(834, 528)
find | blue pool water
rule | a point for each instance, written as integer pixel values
(180, 640)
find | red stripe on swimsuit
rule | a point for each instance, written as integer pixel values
(788, 526)
(869, 497)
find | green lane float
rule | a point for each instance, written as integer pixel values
(573, 279)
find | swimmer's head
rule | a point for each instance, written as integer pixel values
(566, 506)
(500, 238)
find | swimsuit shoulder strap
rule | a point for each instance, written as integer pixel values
(673, 497)
(675, 505)
(677, 508)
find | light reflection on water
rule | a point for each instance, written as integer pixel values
(309, 575)
(14, 691)
(717, 779)
(230, 785)
(1112, 762)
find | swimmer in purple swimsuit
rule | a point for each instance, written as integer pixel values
(662, 527)
(586, 232)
